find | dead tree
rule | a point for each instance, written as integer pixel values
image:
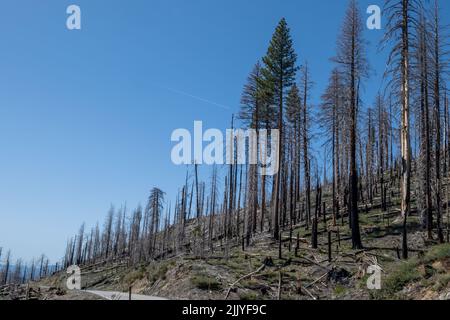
(437, 57)
(306, 85)
(6, 268)
(351, 58)
(400, 16)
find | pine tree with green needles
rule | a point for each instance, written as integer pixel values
(279, 75)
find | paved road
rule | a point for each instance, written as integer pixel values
(114, 295)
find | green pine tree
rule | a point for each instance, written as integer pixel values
(279, 75)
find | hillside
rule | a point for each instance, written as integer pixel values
(302, 273)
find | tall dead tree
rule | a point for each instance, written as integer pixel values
(400, 17)
(107, 233)
(250, 113)
(78, 258)
(134, 235)
(370, 154)
(330, 118)
(305, 85)
(351, 58)
(424, 166)
(153, 214)
(437, 57)
(6, 267)
(294, 114)
(382, 146)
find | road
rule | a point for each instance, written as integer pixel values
(115, 295)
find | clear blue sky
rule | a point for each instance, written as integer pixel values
(86, 116)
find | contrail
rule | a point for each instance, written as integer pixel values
(198, 98)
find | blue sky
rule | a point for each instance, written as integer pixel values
(86, 116)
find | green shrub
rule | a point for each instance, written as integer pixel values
(250, 283)
(339, 290)
(158, 273)
(437, 253)
(134, 276)
(250, 295)
(205, 282)
(442, 282)
(405, 274)
(408, 272)
(397, 280)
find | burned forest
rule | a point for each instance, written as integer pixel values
(360, 185)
